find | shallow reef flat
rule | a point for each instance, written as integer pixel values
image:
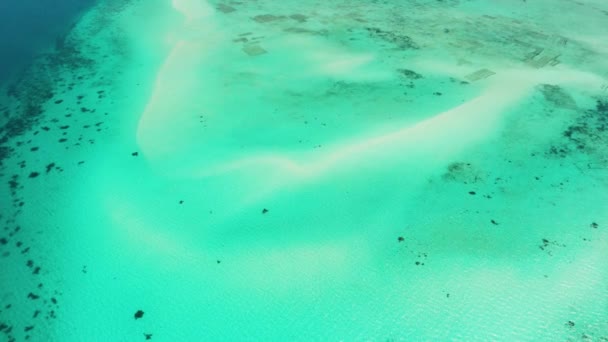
(310, 170)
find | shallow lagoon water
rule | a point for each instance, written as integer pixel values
(352, 170)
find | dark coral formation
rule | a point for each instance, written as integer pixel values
(586, 134)
(399, 40)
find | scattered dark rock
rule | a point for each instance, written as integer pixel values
(549, 246)
(265, 18)
(181, 202)
(462, 172)
(298, 17)
(494, 222)
(409, 74)
(49, 167)
(570, 324)
(135, 154)
(601, 107)
(400, 239)
(401, 41)
(586, 135)
(557, 96)
(264, 211)
(594, 225)
(138, 314)
(224, 9)
(58, 101)
(148, 336)
(218, 261)
(472, 192)
(32, 296)
(34, 174)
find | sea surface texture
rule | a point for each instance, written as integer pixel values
(300, 170)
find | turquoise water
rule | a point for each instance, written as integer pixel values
(310, 171)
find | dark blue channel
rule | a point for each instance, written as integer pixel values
(29, 26)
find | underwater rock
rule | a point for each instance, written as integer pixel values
(266, 18)
(224, 9)
(298, 17)
(138, 314)
(557, 96)
(254, 50)
(264, 211)
(409, 74)
(402, 41)
(462, 172)
(49, 167)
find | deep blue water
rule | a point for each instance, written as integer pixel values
(27, 26)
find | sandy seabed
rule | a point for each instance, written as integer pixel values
(318, 171)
